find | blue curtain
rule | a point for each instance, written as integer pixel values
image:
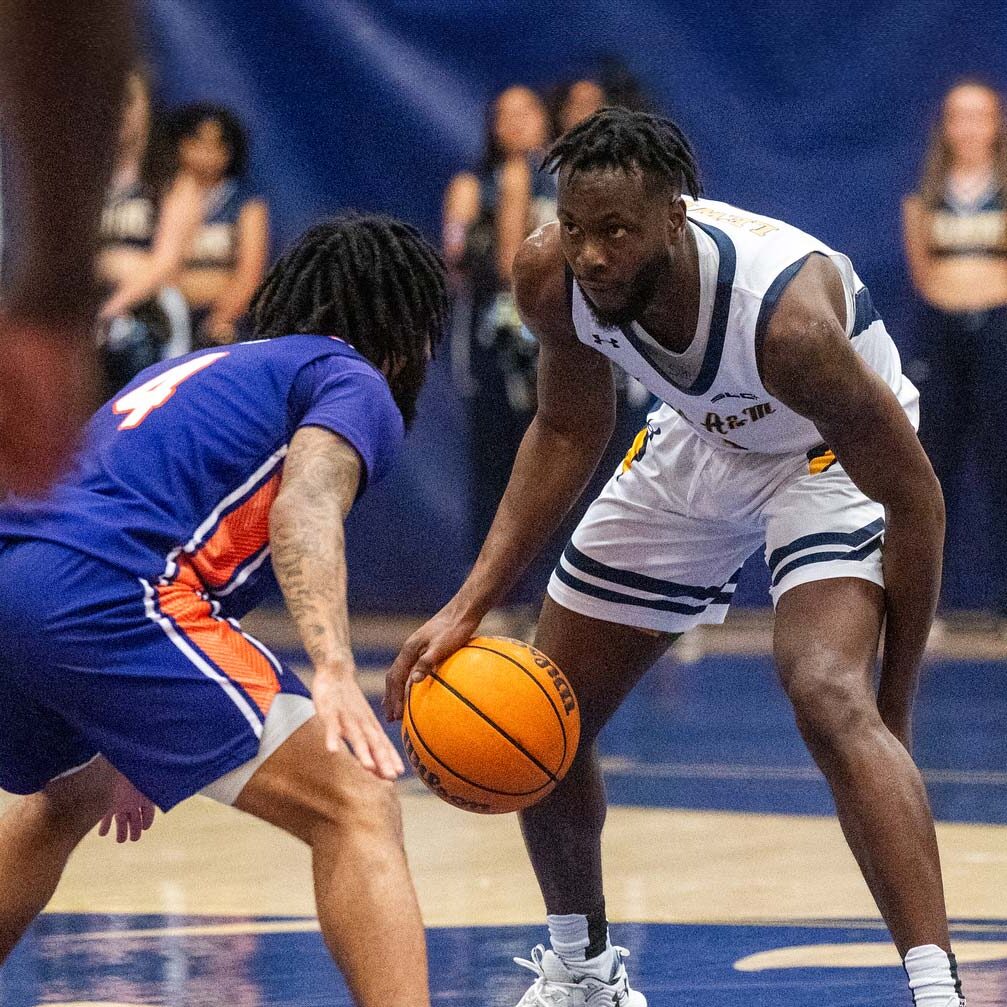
(815, 113)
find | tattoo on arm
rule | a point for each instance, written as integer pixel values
(320, 480)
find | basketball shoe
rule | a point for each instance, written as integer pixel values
(558, 985)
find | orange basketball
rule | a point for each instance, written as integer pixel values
(494, 729)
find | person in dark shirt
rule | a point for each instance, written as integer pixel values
(956, 244)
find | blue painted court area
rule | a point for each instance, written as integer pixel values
(719, 734)
(80, 959)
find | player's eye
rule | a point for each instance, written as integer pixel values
(616, 231)
(569, 229)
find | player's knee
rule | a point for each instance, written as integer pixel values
(364, 806)
(835, 712)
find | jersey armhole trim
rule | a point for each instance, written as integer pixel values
(769, 301)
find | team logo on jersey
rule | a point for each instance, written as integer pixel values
(638, 448)
(716, 423)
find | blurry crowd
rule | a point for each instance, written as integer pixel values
(955, 228)
(184, 234)
(489, 209)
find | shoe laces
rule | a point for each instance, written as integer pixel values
(547, 991)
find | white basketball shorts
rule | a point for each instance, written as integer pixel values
(662, 545)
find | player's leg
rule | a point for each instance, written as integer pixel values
(37, 835)
(826, 644)
(824, 551)
(366, 902)
(603, 662)
(637, 572)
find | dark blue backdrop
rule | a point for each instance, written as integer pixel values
(815, 113)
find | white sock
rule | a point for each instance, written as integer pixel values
(569, 938)
(933, 976)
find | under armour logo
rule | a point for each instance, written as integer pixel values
(611, 342)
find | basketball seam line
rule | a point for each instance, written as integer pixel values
(545, 692)
(454, 772)
(496, 727)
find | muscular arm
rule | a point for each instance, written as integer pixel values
(320, 479)
(559, 453)
(809, 364)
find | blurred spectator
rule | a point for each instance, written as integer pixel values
(228, 257)
(573, 102)
(956, 245)
(613, 84)
(487, 214)
(143, 237)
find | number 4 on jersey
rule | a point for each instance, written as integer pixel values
(139, 403)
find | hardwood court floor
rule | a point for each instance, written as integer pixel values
(727, 875)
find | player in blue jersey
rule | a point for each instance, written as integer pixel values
(125, 676)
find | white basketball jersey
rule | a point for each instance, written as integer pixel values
(746, 262)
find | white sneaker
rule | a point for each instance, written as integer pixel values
(558, 986)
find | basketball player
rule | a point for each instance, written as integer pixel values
(63, 67)
(787, 424)
(120, 651)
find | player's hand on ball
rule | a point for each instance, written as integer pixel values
(432, 644)
(132, 813)
(348, 719)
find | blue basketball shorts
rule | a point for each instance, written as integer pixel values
(150, 675)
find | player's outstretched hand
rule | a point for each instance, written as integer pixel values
(348, 719)
(432, 644)
(132, 813)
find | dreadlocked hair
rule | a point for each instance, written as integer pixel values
(373, 281)
(629, 141)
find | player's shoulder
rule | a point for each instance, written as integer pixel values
(540, 282)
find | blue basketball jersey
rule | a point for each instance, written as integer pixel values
(182, 467)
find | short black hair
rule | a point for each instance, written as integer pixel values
(629, 141)
(185, 122)
(369, 279)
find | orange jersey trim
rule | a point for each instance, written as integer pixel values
(241, 534)
(184, 602)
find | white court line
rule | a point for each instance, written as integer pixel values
(620, 766)
(310, 925)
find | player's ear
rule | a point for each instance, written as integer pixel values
(676, 219)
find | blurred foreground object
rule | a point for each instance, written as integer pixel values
(62, 72)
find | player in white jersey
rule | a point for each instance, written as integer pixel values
(787, 424)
